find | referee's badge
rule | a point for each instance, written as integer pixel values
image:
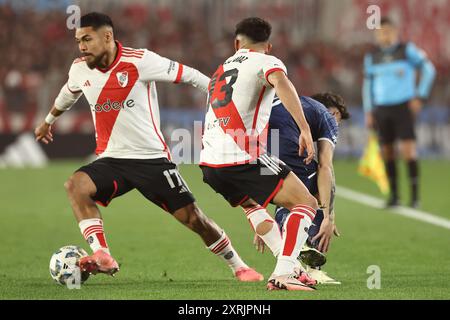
(122, 78)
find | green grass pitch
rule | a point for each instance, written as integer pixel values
(163, 260)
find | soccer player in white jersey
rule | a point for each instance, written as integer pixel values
(119, 84)
(234, 161)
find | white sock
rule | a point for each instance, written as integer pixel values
(273, 238)
(92, 231)
(225, 250)
(295, 233)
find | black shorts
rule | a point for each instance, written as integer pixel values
(259, 181)
(156, 179)
(394, 122)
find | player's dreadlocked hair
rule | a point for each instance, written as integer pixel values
(329, 100)
(256, 29)
(95, 20)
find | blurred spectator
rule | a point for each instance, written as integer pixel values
(37, 47)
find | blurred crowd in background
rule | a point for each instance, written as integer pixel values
(322, 43)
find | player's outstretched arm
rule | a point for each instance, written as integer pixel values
(195, 78)
(327, 188)
(288, 95)
(157, 68)
(63, 102)
(43, 131)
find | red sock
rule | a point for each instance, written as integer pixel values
(295, 233)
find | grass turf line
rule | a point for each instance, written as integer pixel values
(160, 258)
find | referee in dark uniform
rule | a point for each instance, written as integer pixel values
(393, 97)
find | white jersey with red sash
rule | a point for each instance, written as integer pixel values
(123, 100)
(239, 105)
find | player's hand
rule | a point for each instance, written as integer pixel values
(415, 105)
(259, 243)
(43, 133)
(306, 143)
(327, 229)
(369, 120)
(336, 231)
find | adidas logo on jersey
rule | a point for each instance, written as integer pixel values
(87, 84)
(113, 105)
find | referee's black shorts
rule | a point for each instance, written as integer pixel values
(394, 122)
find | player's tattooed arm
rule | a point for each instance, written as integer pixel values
(332, 194)
(326, 186)
(325, 178)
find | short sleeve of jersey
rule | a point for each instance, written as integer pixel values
(328, 129)
(72, 83)
(154, 67)
(272, 64)
(415, 55)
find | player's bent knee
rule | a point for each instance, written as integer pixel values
(71, 186)
(68, 185)
(312, 202)
(77, 184)
(308, 200)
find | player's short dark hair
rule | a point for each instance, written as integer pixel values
(387, 21)
(95, 20)
(329, 100)
(256, 29)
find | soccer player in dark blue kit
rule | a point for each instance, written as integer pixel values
(393, 97)
(323, 112)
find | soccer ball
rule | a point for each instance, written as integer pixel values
(63, 266)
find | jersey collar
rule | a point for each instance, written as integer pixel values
(391, 48)
(245, 50)
(116, 60)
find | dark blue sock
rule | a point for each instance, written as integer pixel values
(280, 216)
(314, 229)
